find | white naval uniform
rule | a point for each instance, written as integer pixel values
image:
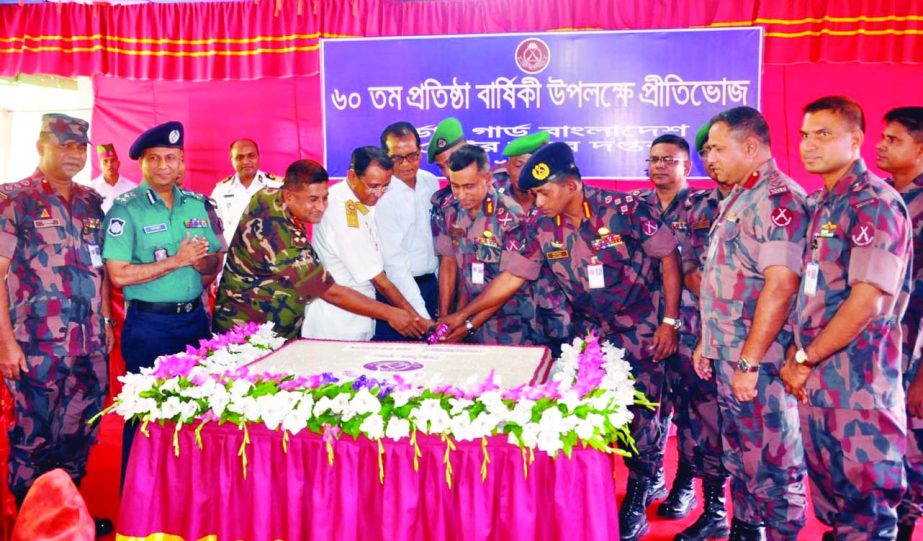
(352, 256)
(403, 218)
(110, 192)
(232, 198)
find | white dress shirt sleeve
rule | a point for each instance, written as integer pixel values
(395, 232)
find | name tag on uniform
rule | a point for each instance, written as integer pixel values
(596, 276)
(96, 255)
(558, 254)
(51, 222)
(810, 279)
(477, 273)
(148, 229)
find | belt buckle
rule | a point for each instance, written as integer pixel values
(187, 307)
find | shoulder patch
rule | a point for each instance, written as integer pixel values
(116, 227)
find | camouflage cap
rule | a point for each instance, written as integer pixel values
(65, 128)
(547, 164)
(106, 151)
(701, 137)
(167, 135)
(447, 133)
(527, 144)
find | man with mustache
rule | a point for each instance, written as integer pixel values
(55, 325)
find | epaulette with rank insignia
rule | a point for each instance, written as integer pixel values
(90, 192)
(270, 176)
(195, 195)
(226, 179)
(126, 197)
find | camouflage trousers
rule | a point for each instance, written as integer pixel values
(763, 453)
(855, 463)
(694, 403)
(647, 426)
(53, 402)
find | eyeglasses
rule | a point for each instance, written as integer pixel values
(413, 157)
(380, 188)
(666, 160)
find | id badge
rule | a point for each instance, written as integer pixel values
(96, 255)
(810, 279)
(477, 273)
(596, 276)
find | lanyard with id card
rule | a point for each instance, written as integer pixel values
(96, 255)
(595, 274)
(477, 273)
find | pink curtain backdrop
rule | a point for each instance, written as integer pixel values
(297, 495)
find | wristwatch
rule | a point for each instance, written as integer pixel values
(471, 328)
(675, 323)
(801, 357)
(109, 321)
(743, 365)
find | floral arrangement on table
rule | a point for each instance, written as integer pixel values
(585, 402)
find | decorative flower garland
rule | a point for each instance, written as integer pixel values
(585, 402)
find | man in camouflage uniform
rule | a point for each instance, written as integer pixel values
(272, 271)
(670, 200)
(54, 332)
(900, 153)
(846, 363)
(479, 222)
(448, 137)
(553, 325)
(750, 277)
(698, 420)
(601, 247)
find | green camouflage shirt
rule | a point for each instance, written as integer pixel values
(271, 272)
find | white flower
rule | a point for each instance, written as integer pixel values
(530, 434)
(402, 397)
(552, 421)
(273, 408)
(170, 386)
(585, 429)
(494, 402)
(170, 408)
(373, 427)
(364, 402)
(239, 388)
(430, 417)
(549, 442)
(397, 428)
(522, 413)
(340, 406)
(219, 400)
(298, 418)
(620, 417)
(571, 399)
(458, 405)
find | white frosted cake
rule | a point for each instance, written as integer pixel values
(415, 362)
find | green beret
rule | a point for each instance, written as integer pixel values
(527, 144)
(448, 133)
(701, 137)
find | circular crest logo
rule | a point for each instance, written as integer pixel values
(541, 171)
(532, 55)
(392, 366)
(174, 137)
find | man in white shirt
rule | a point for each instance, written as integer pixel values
(403, 219)
(346, 239)
(233, 194)
(109, 184)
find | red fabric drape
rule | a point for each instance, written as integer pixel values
(279, 38)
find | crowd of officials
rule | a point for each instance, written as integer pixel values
(779, 331)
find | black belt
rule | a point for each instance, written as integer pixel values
(167, 307)
(423, 278)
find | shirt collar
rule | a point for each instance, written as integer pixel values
(153, 197)
(854, 179)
